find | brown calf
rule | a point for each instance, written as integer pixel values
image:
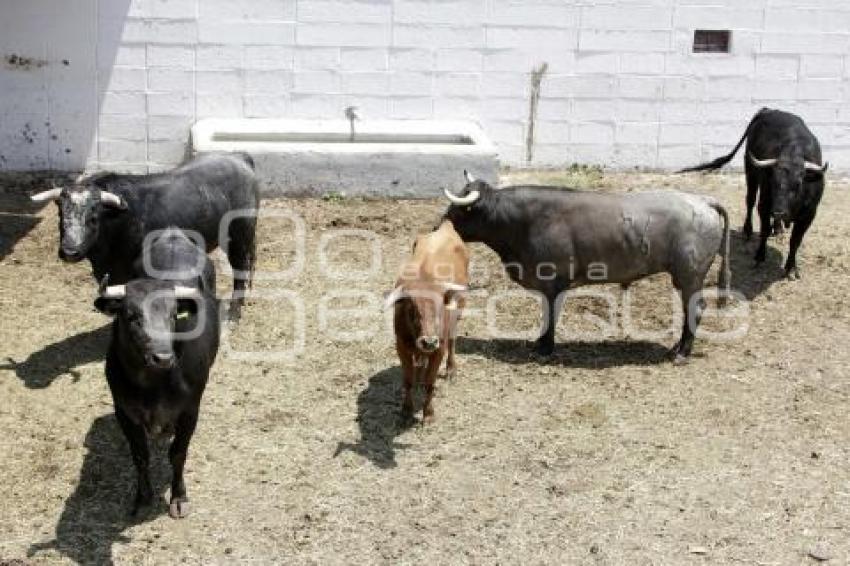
(428, 302)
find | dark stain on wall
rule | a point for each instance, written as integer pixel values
(23, 63)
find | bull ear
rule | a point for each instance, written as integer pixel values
(393, 296)
(108, 305)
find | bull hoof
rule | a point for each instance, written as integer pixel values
(141, 503)
(428, 418)
(544, 350)
(680, 360)
(450, 374)
(406, 414)
(179, 508)
(792, 274)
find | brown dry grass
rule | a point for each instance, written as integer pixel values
(605, 454)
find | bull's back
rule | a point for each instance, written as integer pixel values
(441, 255)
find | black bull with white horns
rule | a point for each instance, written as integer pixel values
(784, 168)
(106, 217)
(551, 239)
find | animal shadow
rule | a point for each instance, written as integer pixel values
(750, 279)
(41, 368)
(98, 512)
(379, 419)
(16, 221)
(587, 355)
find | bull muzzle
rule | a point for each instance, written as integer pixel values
(70, 255)
(160, 360)
(428, 344)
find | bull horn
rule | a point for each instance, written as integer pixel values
(762, 162)
(113, 200)
(183, 292)
(468, 176)
(114, 292)
(51, 194)
(462, 201)
(815, 167)
(456, 287)
(393, 296)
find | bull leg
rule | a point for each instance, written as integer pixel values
(242, 255)
(138, 441)
(453, 315)
(800, 227)
(551, 312)
(693, 306)
(434, 361)
(179, 505)
(752, 175)
(409, 372)
(765, 228)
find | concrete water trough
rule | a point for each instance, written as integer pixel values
(403, 158)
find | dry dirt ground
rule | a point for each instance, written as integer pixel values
(605, 453)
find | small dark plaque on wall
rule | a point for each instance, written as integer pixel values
(712, 41)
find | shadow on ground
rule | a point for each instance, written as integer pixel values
(379, 419)
(41, 368)
(98, 512)
(16, 221)
(748, 278)
(587, 355)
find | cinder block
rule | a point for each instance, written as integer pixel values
(165, 79)
(684, 88)
(644, 41)
(594, 110)
(126, 79)
(122, 151)
(543, 14)
(132, 103)
(266, 106)
(171, 56)
(718, 17)
(367, 59)
(411, 35)
(160, 31)
(316, 82)
(462, 60)
(778, 67)
(172, 9)
(164, 128)
(121, 55)
(317, 58)
(642, 156)
(224, 10)
(169, 153)
(318, 105)
(625, 17)
(217, 57)
(637, 133)
(411, 84)
(796, 43)
(505, 84)
(343, 34)
(170, 104)
(551, 132)
(638, 110)
(268, 82)
(218, 81)
(734, 88)
(347, 11)
(820, 89)
(821, 66)
(510, 109)
(411, 59)
(411, 108)
(247, 32)
(120, 127)
(458, 84)
(597, 63)
(640, 87)
(799, 18)
(642, 63)
(267, 57)
(458, 108)
(592, 133)
(554, 108)
(443, 12)
(376, 83)
(774, 90)
(532, 39)
(212, 105)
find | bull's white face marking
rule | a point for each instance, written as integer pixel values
(77, 213)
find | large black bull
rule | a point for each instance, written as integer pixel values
(552, 239)
(784, 169)
(164, 340)
(105, 218)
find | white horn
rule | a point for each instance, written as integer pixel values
(114, 292)
(814, 167)
(456, 287)
(51, 194)
(762, 162)
(462, 201)
(182, 292)
(469, 177)
(112, 200)
(393, 296)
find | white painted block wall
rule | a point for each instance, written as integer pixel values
(117, 83)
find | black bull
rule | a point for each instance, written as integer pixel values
(552, 239)
(783, 168)
(106, 218)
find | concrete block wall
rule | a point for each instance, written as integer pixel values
(117, 83)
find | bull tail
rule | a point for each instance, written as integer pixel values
(724, 280)
(721, 161)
